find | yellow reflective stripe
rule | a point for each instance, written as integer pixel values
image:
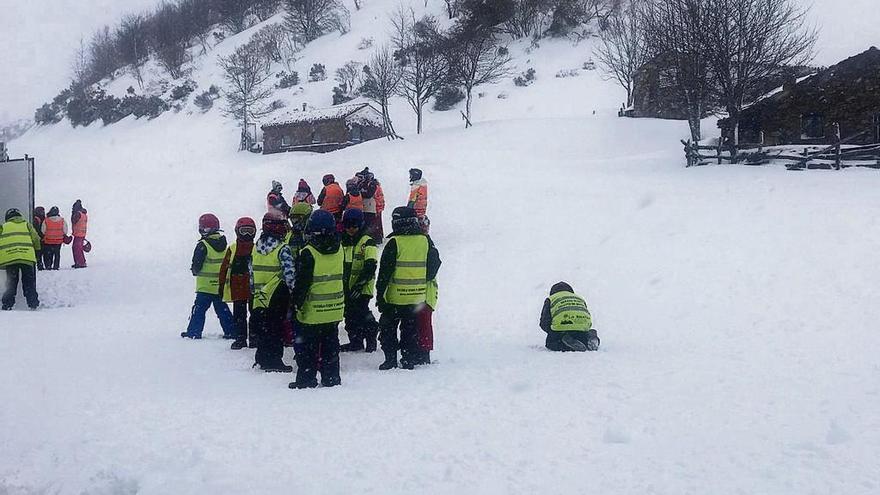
(327, 278)
(14, 234)
(18, 244)
(265, 268)
(408, 281)
(326, 297)
(412, 264)
(577, 309)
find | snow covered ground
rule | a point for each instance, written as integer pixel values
(737, 308)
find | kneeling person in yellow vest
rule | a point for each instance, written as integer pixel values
(567, 321)
(19, 249)
(319, 298)
(273, 279)
(206, 261)
(409, 262)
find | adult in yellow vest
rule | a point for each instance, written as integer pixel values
(567, 321)
(206, 261)
(319, 299)
(19, 249)
(272, 276)
(408, 263)
(361, 262)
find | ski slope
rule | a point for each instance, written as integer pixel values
(736, 305)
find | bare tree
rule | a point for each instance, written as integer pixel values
(234, 14)
(169, 39)
(380, 82)
(264, 9)
(348, 76)
(623, 50)
(418, 50)
(80, 67)
(103, 56)
(676, 31)
(199, 17)
(246, 72)
(309, 19)
(474, 58)
(132, 39)
(750, 41)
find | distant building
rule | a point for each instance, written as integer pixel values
(803, 111)
(323, 130)
(654, 93)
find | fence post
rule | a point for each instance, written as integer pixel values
(837, 146)
(687, 151)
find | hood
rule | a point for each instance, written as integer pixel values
(418, 182)
(303, 186)
(40, 212)
(266, 243)
(216, 241)
(560, 287)
(325, 244)
(16, 219)
(406, 226)
(53, 212)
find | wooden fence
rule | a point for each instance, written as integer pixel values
(836, 156)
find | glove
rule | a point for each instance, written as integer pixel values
(382, 305)
(356, 291)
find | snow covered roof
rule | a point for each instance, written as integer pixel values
(362, 113)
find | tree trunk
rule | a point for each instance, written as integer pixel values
(467, 106)
(629, 96)
(418, 120)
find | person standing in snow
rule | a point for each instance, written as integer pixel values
(272, 277)
(367, 187)
(39, 218)
(206, 262)
(19, 249)
(361, 262)
(235, 278)
(425, 316)
(54, 234)
(303, 194)
(79, 219)
(408, 263)
(275, 202)
(331, 196)
(319, 299)
(353, 198)
(418, 193)
(378, 231)
(567, 321)
(296, 239)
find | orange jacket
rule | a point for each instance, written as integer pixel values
(418, 197)
(332, 198)
(355, 202)
(379, 196)
(80, 227)
(54, 230)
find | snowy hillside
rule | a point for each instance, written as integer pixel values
(736, 306)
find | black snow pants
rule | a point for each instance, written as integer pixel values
(28, 275)
(51, 256)
(314, 342)
(554, 339)
(360, 324)
(267, 325)
(405, 317)
(240, 320)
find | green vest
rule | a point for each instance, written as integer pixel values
(267, 275)
(325, 302)
(409, 280)
(16, 244)
(208, 278)
(431, 294)
(357, 255)
(569, 313)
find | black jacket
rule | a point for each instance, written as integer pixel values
(388, 263)
(305, 267)
(369, 270)
(217, 241)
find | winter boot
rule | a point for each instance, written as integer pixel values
(238, 344)
(300, 386)
(371, 341)
(277, 367)
(592, 341)
(354, 345)
(390, 361)
(570, 343)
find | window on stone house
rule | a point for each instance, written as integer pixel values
(285, 140)
(812, 126)
(356, 133)
(316, 135)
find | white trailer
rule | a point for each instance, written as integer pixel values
(17, 186)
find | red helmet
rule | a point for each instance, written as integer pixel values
(246, 228)
(274, 225)
(208, 224)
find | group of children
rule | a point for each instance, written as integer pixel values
(53, 232)
(309, 270)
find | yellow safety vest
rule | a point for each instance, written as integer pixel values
(431, 293)
(267, 275)
(357, 255)
(409, 280)
(569, 313)
(325, 302)
(16, 244)
(208, 278)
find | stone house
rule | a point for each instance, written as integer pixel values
(322, 130)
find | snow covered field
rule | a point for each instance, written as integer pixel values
(736, 305)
